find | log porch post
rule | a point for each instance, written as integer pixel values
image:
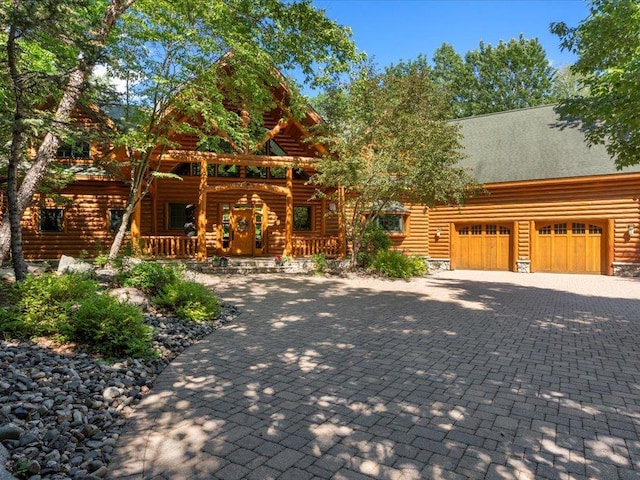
(202, 212)
(135, 226)
(288, 235)
(610, 246)
(341, 227)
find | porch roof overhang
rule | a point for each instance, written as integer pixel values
(236, 159)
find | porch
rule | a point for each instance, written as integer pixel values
(184, 247)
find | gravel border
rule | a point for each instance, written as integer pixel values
(62, 412)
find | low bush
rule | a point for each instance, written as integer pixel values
(320, 264)
(44, 304)
(69, 308)
(189, 300)
(111, 328)
(374, 240)
(396, 265)
(149, 277)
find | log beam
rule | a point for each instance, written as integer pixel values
(244, 160)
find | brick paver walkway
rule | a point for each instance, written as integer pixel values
(459, 375)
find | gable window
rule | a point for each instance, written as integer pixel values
(228, 170)
(74, 150)
(255, 172)
(51, 220)
(271, 148)
(302, 219)
(115, 219)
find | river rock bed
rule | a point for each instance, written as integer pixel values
(62, 411)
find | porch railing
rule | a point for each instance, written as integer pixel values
(307, 246)
(169, 246)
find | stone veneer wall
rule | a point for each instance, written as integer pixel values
(621, 269)
(438, 264)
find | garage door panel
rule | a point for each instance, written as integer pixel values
(568, 247)
(483, 247)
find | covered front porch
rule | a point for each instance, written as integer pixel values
(239, 216)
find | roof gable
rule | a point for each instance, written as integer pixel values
(530, 144)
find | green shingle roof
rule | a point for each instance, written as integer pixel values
(530, 144)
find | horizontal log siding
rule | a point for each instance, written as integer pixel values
(85, 221)
(415, 241)
(614, 197)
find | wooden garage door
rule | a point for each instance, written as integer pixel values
(483, 247)
(568, 247)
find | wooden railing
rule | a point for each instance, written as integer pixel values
(307, 246)
(169, 246)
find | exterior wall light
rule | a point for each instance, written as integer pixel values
(631, 230)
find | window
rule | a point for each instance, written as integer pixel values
(594, 229)
(228, 170)
(577, 228)
(193, 170)
(391, 223)
(302, 219)
(491, 229)
(258, 230)
(546, 230)
(300, 174)
(226, 225)
(272, 148)
(560, 228)
(476, 229)
(277, 172)
(115, 219)
(255, 172)
(177, 216)
(74, 150)
(51, 220)
(464, 231)
(505, 231)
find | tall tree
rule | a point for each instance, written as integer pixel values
(390, 141)
(513, 74)
(607, 43)
(214, 70)
(163, 47)
(71, 36)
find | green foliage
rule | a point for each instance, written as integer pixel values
(68, 308)
(513, 74)
(101, 260)
(45, 304)
(111, 328)
(608, 48)
(377, 165)
(149, 277)
(396, 265)
(190, 300)
(374, 240)
(320, 264)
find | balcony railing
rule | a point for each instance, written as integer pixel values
(307, 246)
(169, 246)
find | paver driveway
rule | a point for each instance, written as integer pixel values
(459, 375)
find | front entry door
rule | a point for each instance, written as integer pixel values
(242, 231)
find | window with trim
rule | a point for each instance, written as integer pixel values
(391, 222)
(302, 219)
(74, 150)
(177, 216)
(51, 220)
(115, 219)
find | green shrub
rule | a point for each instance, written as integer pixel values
(109, 327)
(320, 264)
(396, 265)
(101, 260)
(374, 240)
(149, 277)
(189, 300)
(44, 304)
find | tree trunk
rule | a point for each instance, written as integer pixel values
(17, 140)
(65, 108)
(122, 231)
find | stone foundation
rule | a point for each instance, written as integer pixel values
(621, 269)
(523, 266)
(438, 264)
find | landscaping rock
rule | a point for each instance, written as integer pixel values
(132, 296)
(71, 265)
(61, 414)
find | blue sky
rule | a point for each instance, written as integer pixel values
(393, 30)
